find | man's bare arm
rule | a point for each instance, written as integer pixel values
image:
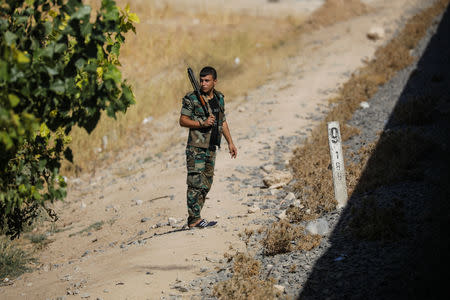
(227, 135)
(185, 121)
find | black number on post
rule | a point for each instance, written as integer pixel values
(334, 135)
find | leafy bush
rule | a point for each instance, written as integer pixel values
(57, 70)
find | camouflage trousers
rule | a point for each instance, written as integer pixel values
(200, 173)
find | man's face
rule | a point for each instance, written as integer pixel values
(207, 83)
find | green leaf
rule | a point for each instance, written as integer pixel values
(10, 38)
(4, 75)
(80, 63)
(22, 189)
(82, 12)
(112, 73)
(51, 71)
(13, 100)
(133, 18)
(60, 47)
(44, 131)
(22, 58)
(6, 140)
(58, 87)
(42, 164)
(48, 27)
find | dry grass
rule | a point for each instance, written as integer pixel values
(167, 41)
(14, 261)
(282, 237)
(310, 162)
(334, 11)
(246, 282)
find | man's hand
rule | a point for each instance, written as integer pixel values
(233, 150)
(210, 121)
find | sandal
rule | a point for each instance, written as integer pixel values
(203, 223)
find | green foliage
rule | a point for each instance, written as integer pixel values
(58, 69)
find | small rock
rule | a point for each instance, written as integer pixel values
(172, 221)
(147, 120)
(282, 215)
(87, 252)
(241, 109)
(375, 33)
(143, 220)
(85, 295)
(277, 179)
(279, 288)
(83, 205)
(253, 209)
(364, 104)
(273, 192)
(319, 226)
(138, 202)
(6, 279)
(297, 203)
(268, 168)
(181, 288)
(290, 196)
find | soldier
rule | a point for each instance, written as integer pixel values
(205, 133)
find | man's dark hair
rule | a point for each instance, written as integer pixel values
(208, 71)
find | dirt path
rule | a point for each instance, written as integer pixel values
(132, 199)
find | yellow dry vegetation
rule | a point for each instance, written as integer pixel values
(167, 42)
(246, 282)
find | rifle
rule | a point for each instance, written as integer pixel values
(196, 87)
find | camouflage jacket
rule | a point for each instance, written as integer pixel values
(192, 108)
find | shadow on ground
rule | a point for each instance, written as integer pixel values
(392, 241)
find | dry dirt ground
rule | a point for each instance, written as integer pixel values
(144, 187)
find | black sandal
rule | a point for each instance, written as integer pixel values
(203, 223)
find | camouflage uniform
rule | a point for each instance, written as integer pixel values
(200, 155)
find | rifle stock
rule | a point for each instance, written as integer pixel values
(196, 87)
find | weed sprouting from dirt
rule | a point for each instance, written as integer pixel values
(246, 282)
(39, 240)
(282, 237)
(310, 161)
(246, 236)
(278, 238)
(13, 260)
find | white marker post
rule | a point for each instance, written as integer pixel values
(337, 163)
